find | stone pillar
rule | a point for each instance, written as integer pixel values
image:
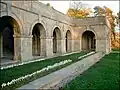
(1, 45)
(69, 45)
(9, 7)
(59, 45)
(17, 47)
(26, 48)
(72, 45)
(108, 45)
(49, 46)
(80, 44)
(101, 44)
(43, 46)
(76, 45)
(108, 42)
(63, 45)
(89, 42)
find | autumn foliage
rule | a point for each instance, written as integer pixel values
(81, 13)
(105, 11)
(116, 42)
(79, 10)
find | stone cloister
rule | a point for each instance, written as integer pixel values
(30, 29)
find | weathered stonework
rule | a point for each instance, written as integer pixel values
(29, 13)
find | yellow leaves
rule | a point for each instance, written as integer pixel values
(79, 13)
(108, 10)
(71, 12)
(101, 11)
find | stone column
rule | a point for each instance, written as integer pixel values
(80, 45)
(49, 46)
(43, 46)
(101, 44)
(17, 47)
(59, 45)
(69, 45)
(76, 45)
(108, 42)
(89, 42)
(72, 45)
(63, 45)
(9, 4)
(108, 45)
(1, 45)
(26, 48)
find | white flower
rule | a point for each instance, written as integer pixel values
(86, 55)
(49, 67)
(8, 83)
(14, 65)
(4, 84)
(34, 73)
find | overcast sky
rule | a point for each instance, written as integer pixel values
(63, 6)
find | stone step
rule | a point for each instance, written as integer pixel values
(59, 78)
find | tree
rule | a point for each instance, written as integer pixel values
(99, 11)
(78, 10)
(48, 4)
(118, 19)
(111, 19)
(105, 11)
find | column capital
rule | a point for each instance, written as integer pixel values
(49, 37)
(22, 36)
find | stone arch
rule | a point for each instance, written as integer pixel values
(19, 21)
(39, 40)
(68, 37)
(56, 26)
(10, 38)
(88, 41)
(56, 40)
(34, 23)
(92, 30)
(32, 26)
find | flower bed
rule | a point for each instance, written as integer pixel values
(23, 63)
(37, 72)
(19, 78)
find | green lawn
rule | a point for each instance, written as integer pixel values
(102, 76)
(16, 72)
(116, 49)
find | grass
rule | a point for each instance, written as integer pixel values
(16, 72)
(116, 49)
(102, 76)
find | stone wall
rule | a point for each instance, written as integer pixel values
(29, 13)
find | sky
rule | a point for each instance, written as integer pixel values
(63, 6)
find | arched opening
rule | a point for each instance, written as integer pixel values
(56, 40)
(68, 42)
(8, 44)
(88, 41)
(38, 40)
